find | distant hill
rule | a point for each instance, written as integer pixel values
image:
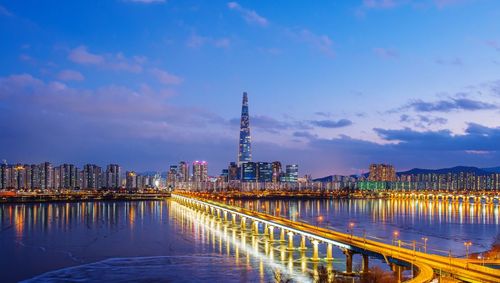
(492, 169)
(453, 170)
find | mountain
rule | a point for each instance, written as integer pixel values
(453, 170)
(492, 169)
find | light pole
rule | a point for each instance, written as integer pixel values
(467, 246)
(395, 237)
(425, 244)
(351, 228)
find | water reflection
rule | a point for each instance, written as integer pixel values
(446, 224)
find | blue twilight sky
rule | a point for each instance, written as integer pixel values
(333, 85)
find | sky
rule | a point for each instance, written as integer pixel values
(333, 85)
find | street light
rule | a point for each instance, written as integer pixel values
(395, 236)
(425, 243)
(467, 246)
(351, 228)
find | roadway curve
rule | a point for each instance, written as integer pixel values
(426, 263)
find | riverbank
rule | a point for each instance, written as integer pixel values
(79, 197)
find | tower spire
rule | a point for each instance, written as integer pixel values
(245, 147)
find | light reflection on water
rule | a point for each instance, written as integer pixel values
(105, 236)
(447, 225)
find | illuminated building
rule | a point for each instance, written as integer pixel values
(264, 172)
(172, 174)
(113, 172)
(233, 172)
(91, 177)
(245, 148)
(130, 180)
(382, 173)
(292, 173)
(276, 171)
(183, 171)
(200, 171)
(249, 172)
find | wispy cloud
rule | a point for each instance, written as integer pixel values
(70, 75)
(451, 104)
(146, 1)
(118, 62)
(198, 41)
(81, 55)
(331, 124)
(386, 53)
(250, 16)
(449, 62)
(320, 42)
(165, 77)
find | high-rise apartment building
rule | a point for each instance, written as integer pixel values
(92, 176)
(183, 171)
(382, 173)
(113, 172)
(200, 171)
(276, 171)
(131, 180)
(245, 147)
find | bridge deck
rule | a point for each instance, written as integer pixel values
(425, 263)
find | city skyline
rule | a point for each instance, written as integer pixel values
(108, 89)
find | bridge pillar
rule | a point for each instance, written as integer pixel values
(225, 216)
(233, 218)
(282, 235)
(218, 213)
(255, 225)
(290, 241)
(348, 261)
(243, 223)
(266, 229)
(303, 243)
(365, 264)
(271, 233)
(315, 256)
(329, 252)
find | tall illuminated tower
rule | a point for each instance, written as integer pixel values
(245, 148)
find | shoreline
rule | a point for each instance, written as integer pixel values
(82, 198)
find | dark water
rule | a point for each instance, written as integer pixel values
(445, 225)
(164, 241)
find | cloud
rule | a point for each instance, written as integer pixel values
(118, 62)
(81, 55)
(197, 41)
(332, 123)
(380, 4)
(250, 16)
(165, 78)
(386, 53)
(70, 75)
(476, 137)
(452, 104)
(323, 43)
(146, 1)
(421, 121)
(449, 62)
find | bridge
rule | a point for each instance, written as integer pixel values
(488, 197)
(425, 266)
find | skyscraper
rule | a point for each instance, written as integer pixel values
(245, 148)
(200, 171)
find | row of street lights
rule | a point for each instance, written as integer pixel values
(395, 239)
